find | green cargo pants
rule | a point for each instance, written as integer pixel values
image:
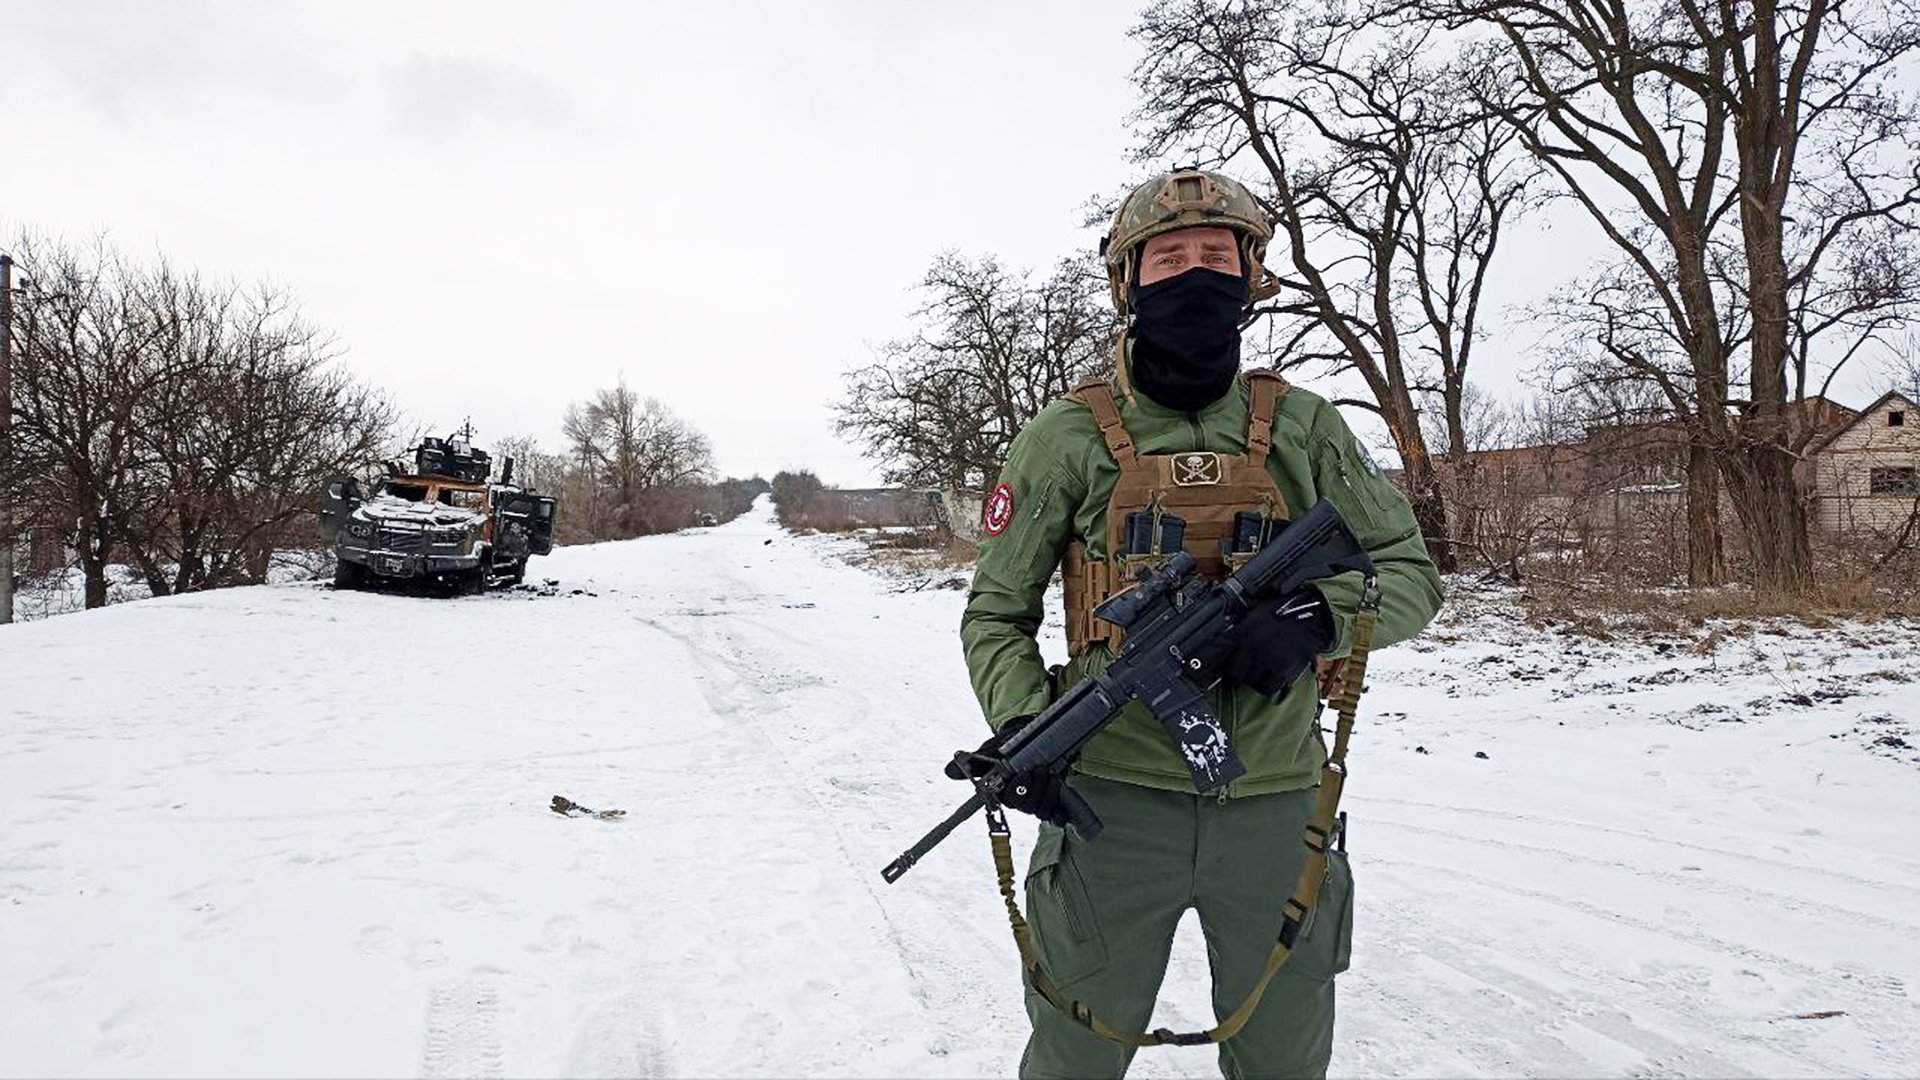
(1104, 913)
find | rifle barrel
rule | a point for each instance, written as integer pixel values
(898, 868)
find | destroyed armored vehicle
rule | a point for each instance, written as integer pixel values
(437, 519)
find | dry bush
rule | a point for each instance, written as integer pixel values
(921, 559)
(961, 551)
(910, 540)
(793, 490)
(826, 515)
(1629, 578)
(804, 504)
(1609, 603)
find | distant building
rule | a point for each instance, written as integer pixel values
(1860, 470)
(1614, 477)
(960, 510)
(45, 551)
(871, 507)
(1865, 474)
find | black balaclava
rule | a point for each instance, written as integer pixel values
(1186, 347)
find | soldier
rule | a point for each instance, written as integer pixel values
(1182, 450)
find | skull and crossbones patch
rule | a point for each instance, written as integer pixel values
(1196, 468)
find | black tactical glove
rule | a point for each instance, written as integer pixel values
(1040, 792)
(1276, 641)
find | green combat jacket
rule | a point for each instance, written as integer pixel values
(1061, 475)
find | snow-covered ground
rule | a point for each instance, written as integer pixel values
(291, 831)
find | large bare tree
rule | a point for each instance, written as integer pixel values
(1390, 198)
(939, 408)
(629, 449)
(236, 444)
(1753, 166)
(83, 363)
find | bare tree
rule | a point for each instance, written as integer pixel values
(534, 467)
(630, 450)
(1903, 371)
(1481, 423)
(233, 448)
(1389, 198)
(1620, 356)
(171, 423)
(940, 408)
(1752, 157)
(84, 360)
(1479, 419)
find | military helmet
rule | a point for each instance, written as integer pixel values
(1185, 199)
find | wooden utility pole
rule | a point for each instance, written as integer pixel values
(6, 440)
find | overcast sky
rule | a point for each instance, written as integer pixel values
(498, 207)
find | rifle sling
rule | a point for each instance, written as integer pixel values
(1345, 700)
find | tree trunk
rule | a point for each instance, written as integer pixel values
(1423, 490)
(1706, 559)
(1463, 498)
(1773, 519)
(1761, 476)
(259, 559)
(190, 574)
(95, 573)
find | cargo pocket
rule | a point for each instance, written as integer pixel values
(1064, 925)
(1325, 948)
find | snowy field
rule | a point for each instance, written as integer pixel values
(286, 831)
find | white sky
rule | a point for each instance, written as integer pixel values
(498, 208)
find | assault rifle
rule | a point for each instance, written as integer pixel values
(1173, 623)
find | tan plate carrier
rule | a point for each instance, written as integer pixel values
(1240, 483)
(1205, 489)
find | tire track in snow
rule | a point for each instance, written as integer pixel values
(463, 1030)
(1550, 1029)
(731, 682)
(947, 991)
(1601, 1008)
(1825, 870)
(620, 1039)
(733, 670)
(1873, 993)
(1782, 901)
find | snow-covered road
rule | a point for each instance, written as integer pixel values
(291, 832)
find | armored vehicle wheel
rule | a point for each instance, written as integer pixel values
(348, 575)
(474, 582)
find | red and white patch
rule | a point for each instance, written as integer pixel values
(998, 512)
